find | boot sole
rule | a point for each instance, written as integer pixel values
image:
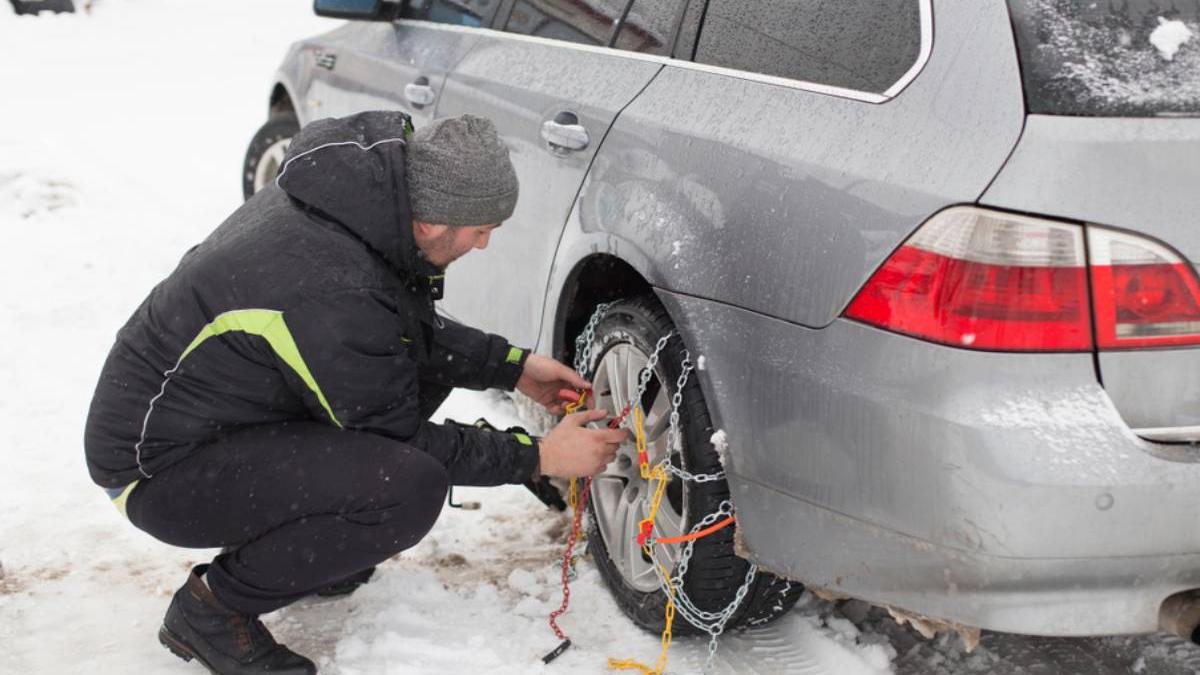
(176, 646)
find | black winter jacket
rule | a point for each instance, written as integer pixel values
(311, 301)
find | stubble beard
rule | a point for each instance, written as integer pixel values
(439, 250)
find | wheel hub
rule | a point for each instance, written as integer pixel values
(621, 497)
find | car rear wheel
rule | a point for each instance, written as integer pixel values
(624, 340)
(265, 155)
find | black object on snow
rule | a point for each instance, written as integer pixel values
(34, 7)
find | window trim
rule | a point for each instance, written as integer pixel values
(927, 37)
(510, 5)
(672, 36)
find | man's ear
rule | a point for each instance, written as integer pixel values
(426, 231)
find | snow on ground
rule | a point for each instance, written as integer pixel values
(121, 138)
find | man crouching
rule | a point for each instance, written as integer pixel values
(271, 396)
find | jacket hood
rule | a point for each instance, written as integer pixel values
(352, 170)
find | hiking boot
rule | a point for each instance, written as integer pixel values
(348, 585)
(198, 626)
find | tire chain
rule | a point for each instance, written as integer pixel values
(585, 340)
(712, 623)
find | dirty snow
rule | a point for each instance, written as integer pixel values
(1169, 37)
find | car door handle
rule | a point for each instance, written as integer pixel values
(419, 93)
(564, 133)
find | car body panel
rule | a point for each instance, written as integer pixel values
(1083, 168)
(1137, 174)
(954, 483)
(1034, 596)
(520, 83)
(1157, 391)
(367, 65)
(1004, 491)
(785, 200)
(294, 75)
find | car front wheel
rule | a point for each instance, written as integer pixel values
(265, 155)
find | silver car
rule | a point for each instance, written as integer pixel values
(932, 262)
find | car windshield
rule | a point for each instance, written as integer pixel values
(1110, 57)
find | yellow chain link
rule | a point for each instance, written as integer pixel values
(639, 426)
(660, 665)
(573, 492)
(658, 473)
(577, 404)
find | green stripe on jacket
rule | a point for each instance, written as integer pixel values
(267, 324)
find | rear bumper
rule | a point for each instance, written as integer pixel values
(995, 490)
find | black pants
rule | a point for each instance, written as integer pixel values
(301, 503)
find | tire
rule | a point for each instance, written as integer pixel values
(715, 572)
(265, 154)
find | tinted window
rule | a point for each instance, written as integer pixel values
(650, 26)
(589, 22)
(689, 30)
(1133, 57)
(865, 45)
(458, 12)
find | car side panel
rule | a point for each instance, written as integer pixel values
(371, 64)
(1138, 174)
(783, 204)
(785, 201)
(959, 484)
(1141, 175)
(520, 83)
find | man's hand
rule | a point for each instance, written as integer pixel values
(543, 377)
(572, 450)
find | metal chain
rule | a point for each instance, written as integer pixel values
(712, 623)
(648, 370)
(583, 341)
(675, 434)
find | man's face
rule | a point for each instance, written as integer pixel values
(443, 244)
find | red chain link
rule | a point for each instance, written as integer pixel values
(576, 526)
(566, 564)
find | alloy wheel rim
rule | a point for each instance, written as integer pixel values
(269, 163)
(620, 496)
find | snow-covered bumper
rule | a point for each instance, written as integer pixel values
(994, 490)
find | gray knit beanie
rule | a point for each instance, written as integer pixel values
(459, 173)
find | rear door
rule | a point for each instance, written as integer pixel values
(552, 86)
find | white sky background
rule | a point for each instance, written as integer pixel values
(121, 139)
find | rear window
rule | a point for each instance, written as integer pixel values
(866, 45)
(1131, 58)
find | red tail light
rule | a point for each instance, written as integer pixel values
(1145, 294)
(983, 279)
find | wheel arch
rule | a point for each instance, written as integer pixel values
(593, 279)
(281, 100)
